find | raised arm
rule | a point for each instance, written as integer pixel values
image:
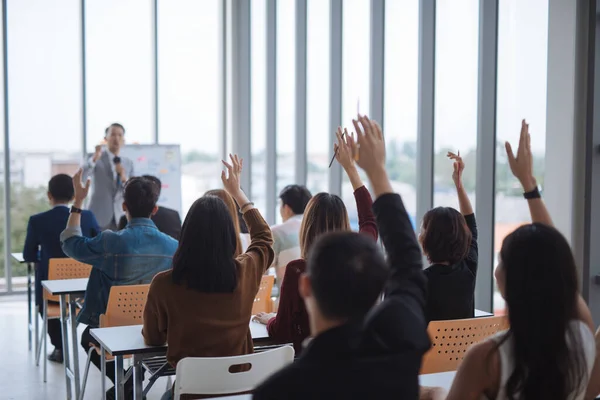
(364, 203)
(90, 163)
(397, 234)
(521, 166)
(261, 239)
(466, 209)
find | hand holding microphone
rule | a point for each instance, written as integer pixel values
(120, 171)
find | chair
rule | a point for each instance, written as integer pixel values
(262, 301)
(214, 376)
(451, 340)
(125, 307)
(58, 268)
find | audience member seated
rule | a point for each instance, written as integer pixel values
(202, 306)
(43, 243)
(242, 239)
(549, 350)
(286, 244)
(324, 213)
(166, 219)
(361, 350)
(449, 241)
(128, 257)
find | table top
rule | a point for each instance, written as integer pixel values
(65, 286)
(18, 257)
(441, 379)
(480, 313)
(123, 340)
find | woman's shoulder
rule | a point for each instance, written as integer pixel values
(296, 266)
(164, 278)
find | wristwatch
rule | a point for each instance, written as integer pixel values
(75, 210)
(533, 194)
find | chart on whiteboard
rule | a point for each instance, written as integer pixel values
(162, 161)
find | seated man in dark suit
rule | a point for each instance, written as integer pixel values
(43, 243)
(166, 219)
(361, 350)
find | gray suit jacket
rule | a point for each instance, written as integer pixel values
(107, 196)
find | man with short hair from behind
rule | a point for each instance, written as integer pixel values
(286, 243)
(360, 350)
(128, 257)
(43, 243)
(166, 219)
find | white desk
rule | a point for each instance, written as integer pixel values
(480, 313)
(18, 257)
(64, 288)
(441, 379)
(124, 340)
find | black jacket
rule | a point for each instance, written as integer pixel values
(451, 288)
(166, 219)
(378, 357)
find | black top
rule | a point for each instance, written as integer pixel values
(166, 220)
(451, 288)
(378, 357)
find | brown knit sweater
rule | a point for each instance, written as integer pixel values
(196, 324)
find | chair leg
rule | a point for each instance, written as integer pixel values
(85, 374)
(45, 338)
(37, 332)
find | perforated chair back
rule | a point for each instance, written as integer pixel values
(450, 340)
(217, 376)
(262, 301)
(125, 306)
(65, 268)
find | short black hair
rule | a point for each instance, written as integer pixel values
(446, 236)
(156, 181)
(116, 125)
(61, 188)
(140, 197)
(347, 272)
(296, 197)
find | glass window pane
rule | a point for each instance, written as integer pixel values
(456, 74)
(522, 68)
(120, 78)
(401, 94)
(356, 28)
(286, 94)
(45, 105)
(2, 159)
(317, 112)
(189, 86)
(259, 104)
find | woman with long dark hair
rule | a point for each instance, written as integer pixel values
(202, 306)
(240, 246)
(324, 213)
(549, 350)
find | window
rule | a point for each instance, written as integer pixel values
(45, 105)
(401, 94)
(317, 106)
(2, 158)
(189, 79)
(456, 74)
(522, 68)
(286, 94)
(355, 79)
(259, 104)
(120, 78)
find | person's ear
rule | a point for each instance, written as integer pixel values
(49, 196)
(124, 207)
(304, 286)
(154, 210)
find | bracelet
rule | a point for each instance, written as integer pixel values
(534, 194)
(243, 208)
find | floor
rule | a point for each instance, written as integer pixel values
(21, 379)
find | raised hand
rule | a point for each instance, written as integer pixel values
(459, 166)
(98, 152)
(81, 190)
(231, 179)
(343, 149)
(369, 152)
(522, 165)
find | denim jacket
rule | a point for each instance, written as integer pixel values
(131, 256)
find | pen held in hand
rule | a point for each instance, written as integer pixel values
(335, 153)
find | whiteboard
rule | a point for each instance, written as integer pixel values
(162, 161)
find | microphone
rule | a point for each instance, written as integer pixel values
(117, 161)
